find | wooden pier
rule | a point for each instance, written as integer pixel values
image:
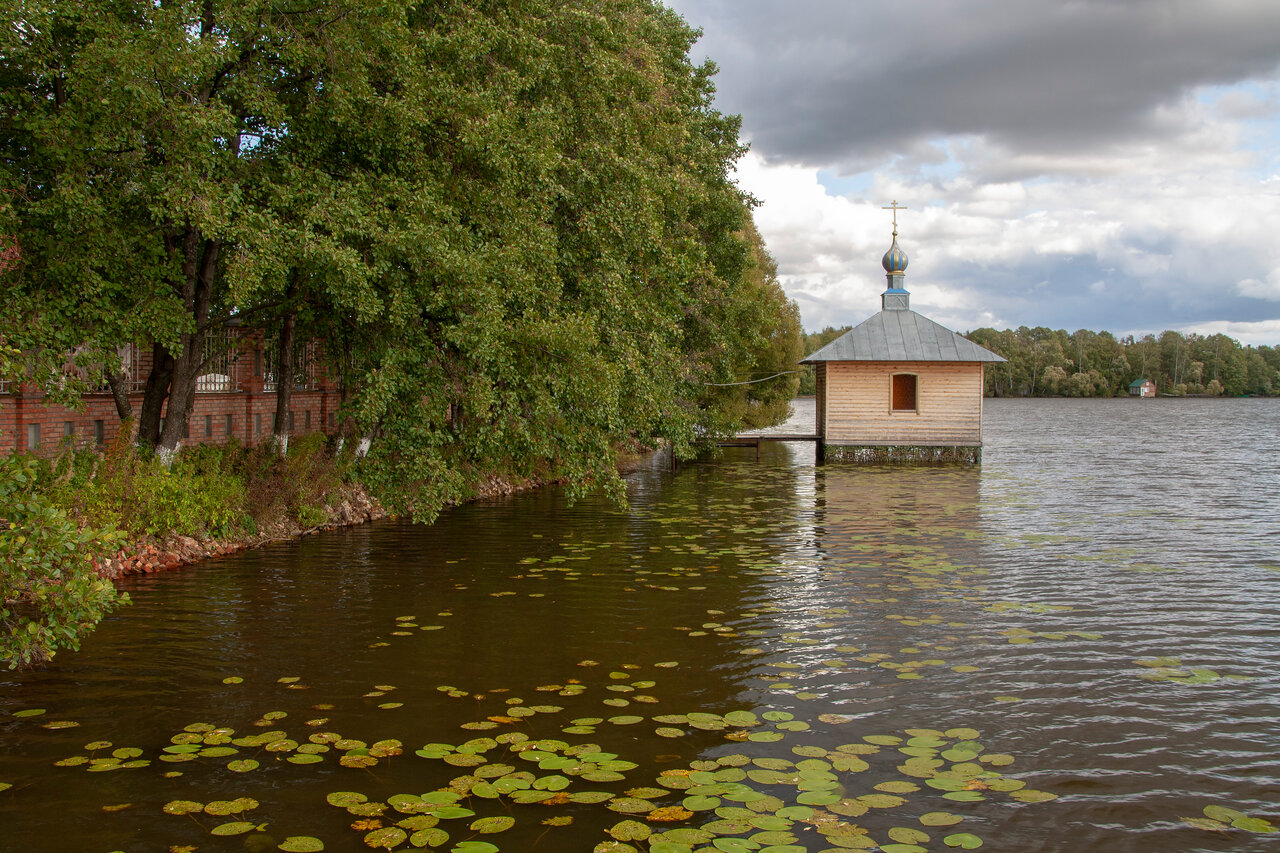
(755, 440)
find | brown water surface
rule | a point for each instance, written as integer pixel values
(1016, 600)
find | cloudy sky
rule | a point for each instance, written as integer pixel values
(1099, 164)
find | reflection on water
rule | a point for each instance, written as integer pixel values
(1039, 600)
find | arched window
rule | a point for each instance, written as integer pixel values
(903, 397)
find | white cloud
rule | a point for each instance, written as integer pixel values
(1268, 289)
(1068, 164)
(1259, 333)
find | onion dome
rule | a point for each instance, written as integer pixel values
(895, 260)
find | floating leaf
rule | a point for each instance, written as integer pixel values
(881, 801)
(1253, 824)
(631, 805)
(493, 825)
(178, 807)
(475, 847)
(629, 830)
(963, 840)
(428, 837)
(940, 819)
(222, 808)
(907, 835)
(386, 837)
(1223, 813)
(735, 845)
(239, 827)
(345, 799)
(243, 765)
(301, 844)
(700, 803)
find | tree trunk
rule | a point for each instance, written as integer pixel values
(120, 394)
(154, 395)
(199, 264)
(124, 409)
(284, 379)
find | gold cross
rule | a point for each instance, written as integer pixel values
(895, 207)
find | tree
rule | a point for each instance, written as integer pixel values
(769, 344)
(135, 137)
(814, 341)
(50, 593)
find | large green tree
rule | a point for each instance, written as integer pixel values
(511, 224)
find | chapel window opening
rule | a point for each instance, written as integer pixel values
(903, 397)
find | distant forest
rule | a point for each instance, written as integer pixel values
(1047, 363)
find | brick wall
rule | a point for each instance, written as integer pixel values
(29, 424)
(214, 418)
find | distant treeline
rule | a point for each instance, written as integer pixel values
(1047, 363)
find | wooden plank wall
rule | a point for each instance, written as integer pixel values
(949, 404)
(820, 399)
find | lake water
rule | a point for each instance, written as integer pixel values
(1071, 648)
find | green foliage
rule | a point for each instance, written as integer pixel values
(763, 342)
(1043, 362)
(50, 594)
(814, 341)
(512, 225)
(207, 491)
(198, 495)
(295, 487)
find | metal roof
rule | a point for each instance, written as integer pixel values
(901, 335)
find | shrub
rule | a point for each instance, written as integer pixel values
(50, 595)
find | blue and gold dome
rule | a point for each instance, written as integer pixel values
(895, 260)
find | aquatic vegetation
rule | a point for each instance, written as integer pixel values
(1218, 818)
(1170, 669)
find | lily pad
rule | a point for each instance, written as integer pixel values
(493, 825)
(301, 844)
(963, 840)
(1223, 813)
(907, 835)
(239, 827)
(429, 837)
(940, 819)
(630, 830)
(344, 799)
(387, 837)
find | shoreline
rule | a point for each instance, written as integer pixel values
(152, 555)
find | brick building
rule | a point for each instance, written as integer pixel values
(236, 396)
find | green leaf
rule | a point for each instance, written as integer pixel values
(963, 840)
(238, 827)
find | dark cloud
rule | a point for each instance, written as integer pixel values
(846, 84)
